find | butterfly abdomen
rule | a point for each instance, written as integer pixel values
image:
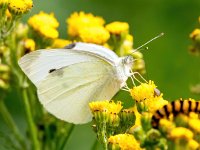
(175, 108)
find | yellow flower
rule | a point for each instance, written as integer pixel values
(143, 91)
(105, 106)
(99, 106)
(155, 103)
(195, 33)
(194, 124)
(105, 111)
(115, 107)
(43, 19)
(124, 142)
(60, 43)
(117, 27)
(48, 32)
(95, 34)
(166, 124)
(29, 45)
(45, 24)
(78, 21)
(181, 133)
(193, 145)
(20, 6)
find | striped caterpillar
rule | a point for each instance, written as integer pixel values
(175, 108)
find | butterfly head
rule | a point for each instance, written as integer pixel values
(128, 61)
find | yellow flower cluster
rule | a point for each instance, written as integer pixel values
(180, 133)
(95, 34)
(45, 24)
(155, 103)
(105, 106)
(143, 91)
(117, 27)
(123, 142)
(105, 111)
(78, 21)
(20, 6)
(146, 94)
(88, 28)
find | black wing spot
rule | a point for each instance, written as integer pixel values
(52, 70)
(70, 46)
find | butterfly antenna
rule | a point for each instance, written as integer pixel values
(161, 34)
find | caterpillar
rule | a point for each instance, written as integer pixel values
(175, 108)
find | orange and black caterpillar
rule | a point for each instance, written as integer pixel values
(175, 108)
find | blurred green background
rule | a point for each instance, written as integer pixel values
(168, 62)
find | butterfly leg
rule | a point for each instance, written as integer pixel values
(133, 77)
(125, 88)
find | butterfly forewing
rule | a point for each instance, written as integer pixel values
(37, 65)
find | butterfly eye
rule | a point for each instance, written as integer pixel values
(128, 60)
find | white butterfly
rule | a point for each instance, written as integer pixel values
(68, 79)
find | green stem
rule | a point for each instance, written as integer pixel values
(104, 136)
(67, 137)
(32, 128)
(11, 124)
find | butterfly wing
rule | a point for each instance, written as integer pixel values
(38, 64)
(66, 92)
(68, 79)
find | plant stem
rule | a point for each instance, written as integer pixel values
(11, 124)
(104, 137)
(32, 128)
(67, 137)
